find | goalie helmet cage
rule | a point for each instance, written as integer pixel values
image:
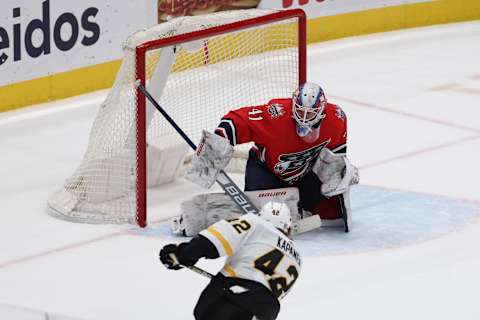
(198, 68)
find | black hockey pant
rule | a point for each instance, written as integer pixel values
(218, 302)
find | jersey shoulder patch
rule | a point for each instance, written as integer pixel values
(340, 113)
(334, 111)
(272, 110)
(276, 110)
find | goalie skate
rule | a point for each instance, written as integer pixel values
(177, 226)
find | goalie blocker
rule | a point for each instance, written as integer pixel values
(337, 174)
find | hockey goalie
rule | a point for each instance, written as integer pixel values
(298, 157)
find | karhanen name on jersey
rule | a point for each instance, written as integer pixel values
(286, 247)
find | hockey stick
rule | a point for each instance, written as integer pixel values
(201, 272)
(223, 179)
(227, 184)
(195, 269)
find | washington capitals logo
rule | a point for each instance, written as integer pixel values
(276, 110)
(293, 166)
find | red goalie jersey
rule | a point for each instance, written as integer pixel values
(273, 130)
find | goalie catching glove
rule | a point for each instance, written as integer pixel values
(213, 155)
(335, 172)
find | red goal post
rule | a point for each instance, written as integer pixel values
(197, 68)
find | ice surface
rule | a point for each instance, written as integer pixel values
(412, 100)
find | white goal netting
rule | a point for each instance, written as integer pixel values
(196, 82)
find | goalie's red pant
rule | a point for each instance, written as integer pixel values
(258, 177)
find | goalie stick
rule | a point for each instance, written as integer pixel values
(227, 184)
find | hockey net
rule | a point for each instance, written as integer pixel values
(198, 68)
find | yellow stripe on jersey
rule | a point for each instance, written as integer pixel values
(228, 269)
(223, 241)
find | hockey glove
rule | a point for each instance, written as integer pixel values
(335, 172)
(212, 155)
(175, 257)
(168, 256)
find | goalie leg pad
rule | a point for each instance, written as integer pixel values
(204, 210)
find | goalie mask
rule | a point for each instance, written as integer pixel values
(278, 214)
(308, 104)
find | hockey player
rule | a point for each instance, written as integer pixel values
(298, 142)
(261, 267)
